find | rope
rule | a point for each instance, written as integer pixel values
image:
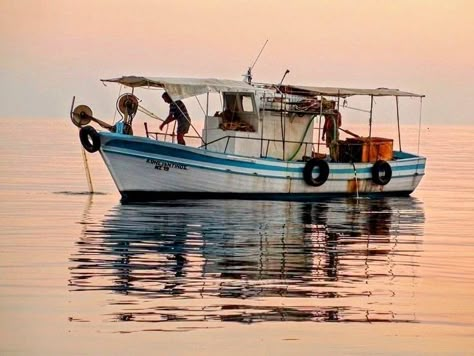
(149, 113)
(200, 106)
(88, 172)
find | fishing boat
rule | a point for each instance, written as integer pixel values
(263, 142)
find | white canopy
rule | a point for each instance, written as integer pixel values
(343, 92)
(180, 88)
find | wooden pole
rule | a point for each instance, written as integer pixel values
(398, 123)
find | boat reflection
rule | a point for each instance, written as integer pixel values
(248, 261)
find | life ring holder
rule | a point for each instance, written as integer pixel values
(90, 139)
(323, 172)
(381, 172)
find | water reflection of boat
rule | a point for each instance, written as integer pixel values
(247, 253)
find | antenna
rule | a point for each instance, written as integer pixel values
(253, 65)
(284, 75)
(248, 76)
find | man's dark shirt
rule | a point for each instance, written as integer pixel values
(180, 113)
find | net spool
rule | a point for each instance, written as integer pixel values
(81, 115)
(127, 104)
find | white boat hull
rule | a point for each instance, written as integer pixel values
(145, 169)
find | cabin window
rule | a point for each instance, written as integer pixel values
(239, 113)
(247, 103)
(239, 102)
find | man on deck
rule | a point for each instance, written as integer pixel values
(179, 113)
(331, 131)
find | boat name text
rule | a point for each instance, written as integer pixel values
(164, 165)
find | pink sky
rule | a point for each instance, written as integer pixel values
(52, 50)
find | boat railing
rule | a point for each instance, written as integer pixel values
(168, 137)
(165, 135)
(349, 150)
(265, 142)
(265, 146)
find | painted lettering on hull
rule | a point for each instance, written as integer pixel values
(165, 165)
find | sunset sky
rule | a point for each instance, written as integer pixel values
(52, 50)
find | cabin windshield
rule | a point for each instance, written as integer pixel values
(239, 102)
(239, 112)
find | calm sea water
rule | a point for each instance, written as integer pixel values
(84, 274)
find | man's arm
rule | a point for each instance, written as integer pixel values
(167, 121)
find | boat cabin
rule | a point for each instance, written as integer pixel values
(260, 124)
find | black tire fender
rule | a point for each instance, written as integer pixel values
(323, 172)
(90, 139)
(381, 172)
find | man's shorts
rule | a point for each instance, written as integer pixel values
(183, 127)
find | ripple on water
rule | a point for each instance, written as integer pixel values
(338, 260)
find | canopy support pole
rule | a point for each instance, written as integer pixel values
(206, 120)
(419, 126)
(398, 123)
(370, 122)
(261, 124)
(283, 97)
(319, 125)
(371, 113)
(282, 125)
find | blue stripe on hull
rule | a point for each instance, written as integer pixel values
(179, 152)
(183, 153)
(282, 172)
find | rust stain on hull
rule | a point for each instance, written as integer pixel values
(362, 186)
(352, 186)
